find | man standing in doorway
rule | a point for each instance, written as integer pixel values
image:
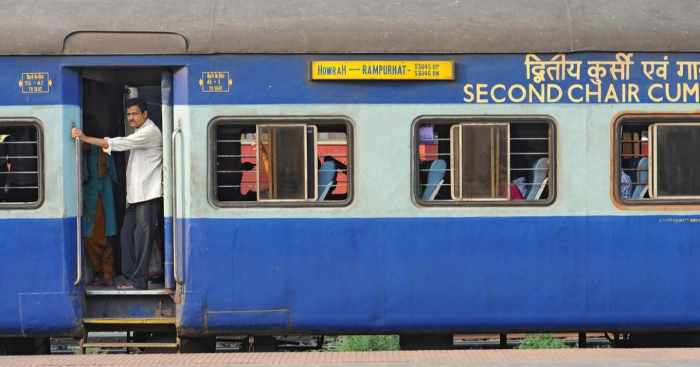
(144, 190)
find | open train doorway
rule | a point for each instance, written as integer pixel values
(122, 196)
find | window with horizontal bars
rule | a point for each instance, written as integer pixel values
(20, 164)
(483, 161)
(281, 161)
(657, 160)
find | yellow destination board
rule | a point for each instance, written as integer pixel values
(383, 70)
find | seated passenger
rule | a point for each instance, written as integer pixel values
(518, 189)
(250, 195)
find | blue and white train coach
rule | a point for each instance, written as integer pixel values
(418, 168)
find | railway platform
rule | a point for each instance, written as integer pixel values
(489, 358)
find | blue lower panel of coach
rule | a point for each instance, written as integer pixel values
(37, 270)
(442, 274)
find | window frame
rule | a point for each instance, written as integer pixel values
(649, 119)
(489, 119)
(38, 125)
(255, 121)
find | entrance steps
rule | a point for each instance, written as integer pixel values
(129, 319)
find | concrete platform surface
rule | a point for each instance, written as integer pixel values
(490, 358)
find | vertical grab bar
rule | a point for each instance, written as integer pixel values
(78, 213)
(173, 156)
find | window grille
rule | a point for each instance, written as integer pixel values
(487, 162)
(20, 164)
(278, 162)
(657, 162)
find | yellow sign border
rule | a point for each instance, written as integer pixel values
(382, 70)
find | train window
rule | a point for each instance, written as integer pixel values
(483, 161)
(281, 162)
(655, 160)
(20, 164)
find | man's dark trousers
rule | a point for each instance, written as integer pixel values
(139, 231)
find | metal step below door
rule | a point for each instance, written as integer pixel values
(133, 333)
(129, 320)
(106, 303)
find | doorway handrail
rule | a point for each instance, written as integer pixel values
(78, 213)
(173, 156)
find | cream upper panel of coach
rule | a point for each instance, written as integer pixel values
(382, 158)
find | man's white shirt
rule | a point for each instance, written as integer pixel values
(144, 177)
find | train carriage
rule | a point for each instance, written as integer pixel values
(422, 169)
